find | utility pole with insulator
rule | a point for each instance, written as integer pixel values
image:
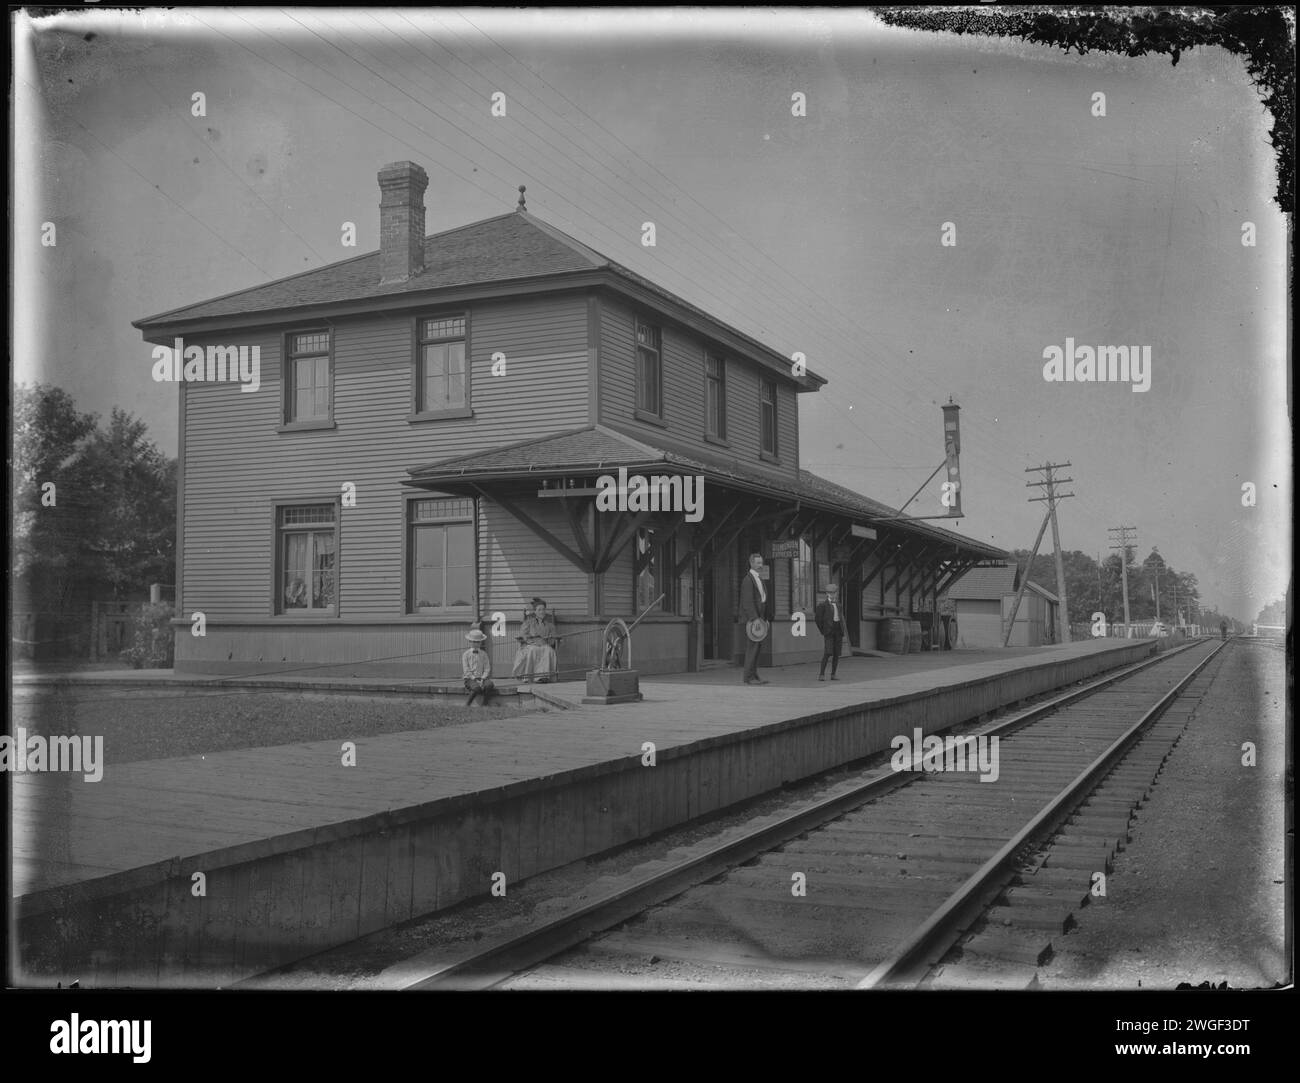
(1127, 538)
(1049, 482)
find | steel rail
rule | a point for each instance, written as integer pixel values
(497, 962)
(909, 963)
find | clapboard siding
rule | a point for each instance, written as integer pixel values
(683, 391)
(516, 565)
(616, 591)
(237, 464)
(889, 597)
(787, 426)
(617, 352)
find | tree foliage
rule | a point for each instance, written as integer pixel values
(92, 505)
(1097, 588)
(1273, 613)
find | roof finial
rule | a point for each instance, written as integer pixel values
(522, 189)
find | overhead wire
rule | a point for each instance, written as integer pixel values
(846, 416)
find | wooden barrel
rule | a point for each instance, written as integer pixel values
(892, 635)
(914, 637)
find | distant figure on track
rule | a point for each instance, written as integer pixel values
(1223, 630)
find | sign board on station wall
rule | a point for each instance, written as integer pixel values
(785, 550)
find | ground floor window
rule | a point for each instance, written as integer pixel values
(655, 558)
(441, 566)
(801, 579)
(307, 551)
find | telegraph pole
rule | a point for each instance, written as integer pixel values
(1127, 537)
(1049, 483)
(1024, 580)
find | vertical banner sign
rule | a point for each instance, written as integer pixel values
(952, 449)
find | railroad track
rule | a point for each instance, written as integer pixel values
(913, 878)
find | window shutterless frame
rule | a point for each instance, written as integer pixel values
(648, 340)
(307, 379)
(801, 579)
(305, 541)
(653, 559)
(438, 367)
(445, 527)
(715, 397)
(767, 418)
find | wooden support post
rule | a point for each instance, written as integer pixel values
(574, 510)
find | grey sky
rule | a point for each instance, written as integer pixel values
(818, 233)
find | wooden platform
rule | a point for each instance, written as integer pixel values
(299, 852)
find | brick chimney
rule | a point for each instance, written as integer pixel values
(401, 221)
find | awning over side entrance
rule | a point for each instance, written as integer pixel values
(863, 539)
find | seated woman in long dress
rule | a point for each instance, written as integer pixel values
(537, 638)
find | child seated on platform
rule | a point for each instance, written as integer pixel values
(477, 668)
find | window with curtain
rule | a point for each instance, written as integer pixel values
(308, 549)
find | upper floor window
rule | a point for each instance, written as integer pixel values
(307, 383)
(307, 550)
(441, 567)
(441, 378)
(715, 397)
(767, 416)
(649, 369)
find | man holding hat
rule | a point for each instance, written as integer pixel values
(827, 614)
(477, 668)
(753, 610)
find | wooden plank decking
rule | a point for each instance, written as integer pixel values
(66, 830)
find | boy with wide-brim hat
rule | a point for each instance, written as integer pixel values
(477, 667)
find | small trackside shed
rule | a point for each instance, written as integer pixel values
(983, 601)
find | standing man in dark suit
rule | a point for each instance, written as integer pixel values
(753, 604)
(827, 614)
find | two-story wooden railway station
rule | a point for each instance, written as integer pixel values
(424, 447)
(426, 439)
